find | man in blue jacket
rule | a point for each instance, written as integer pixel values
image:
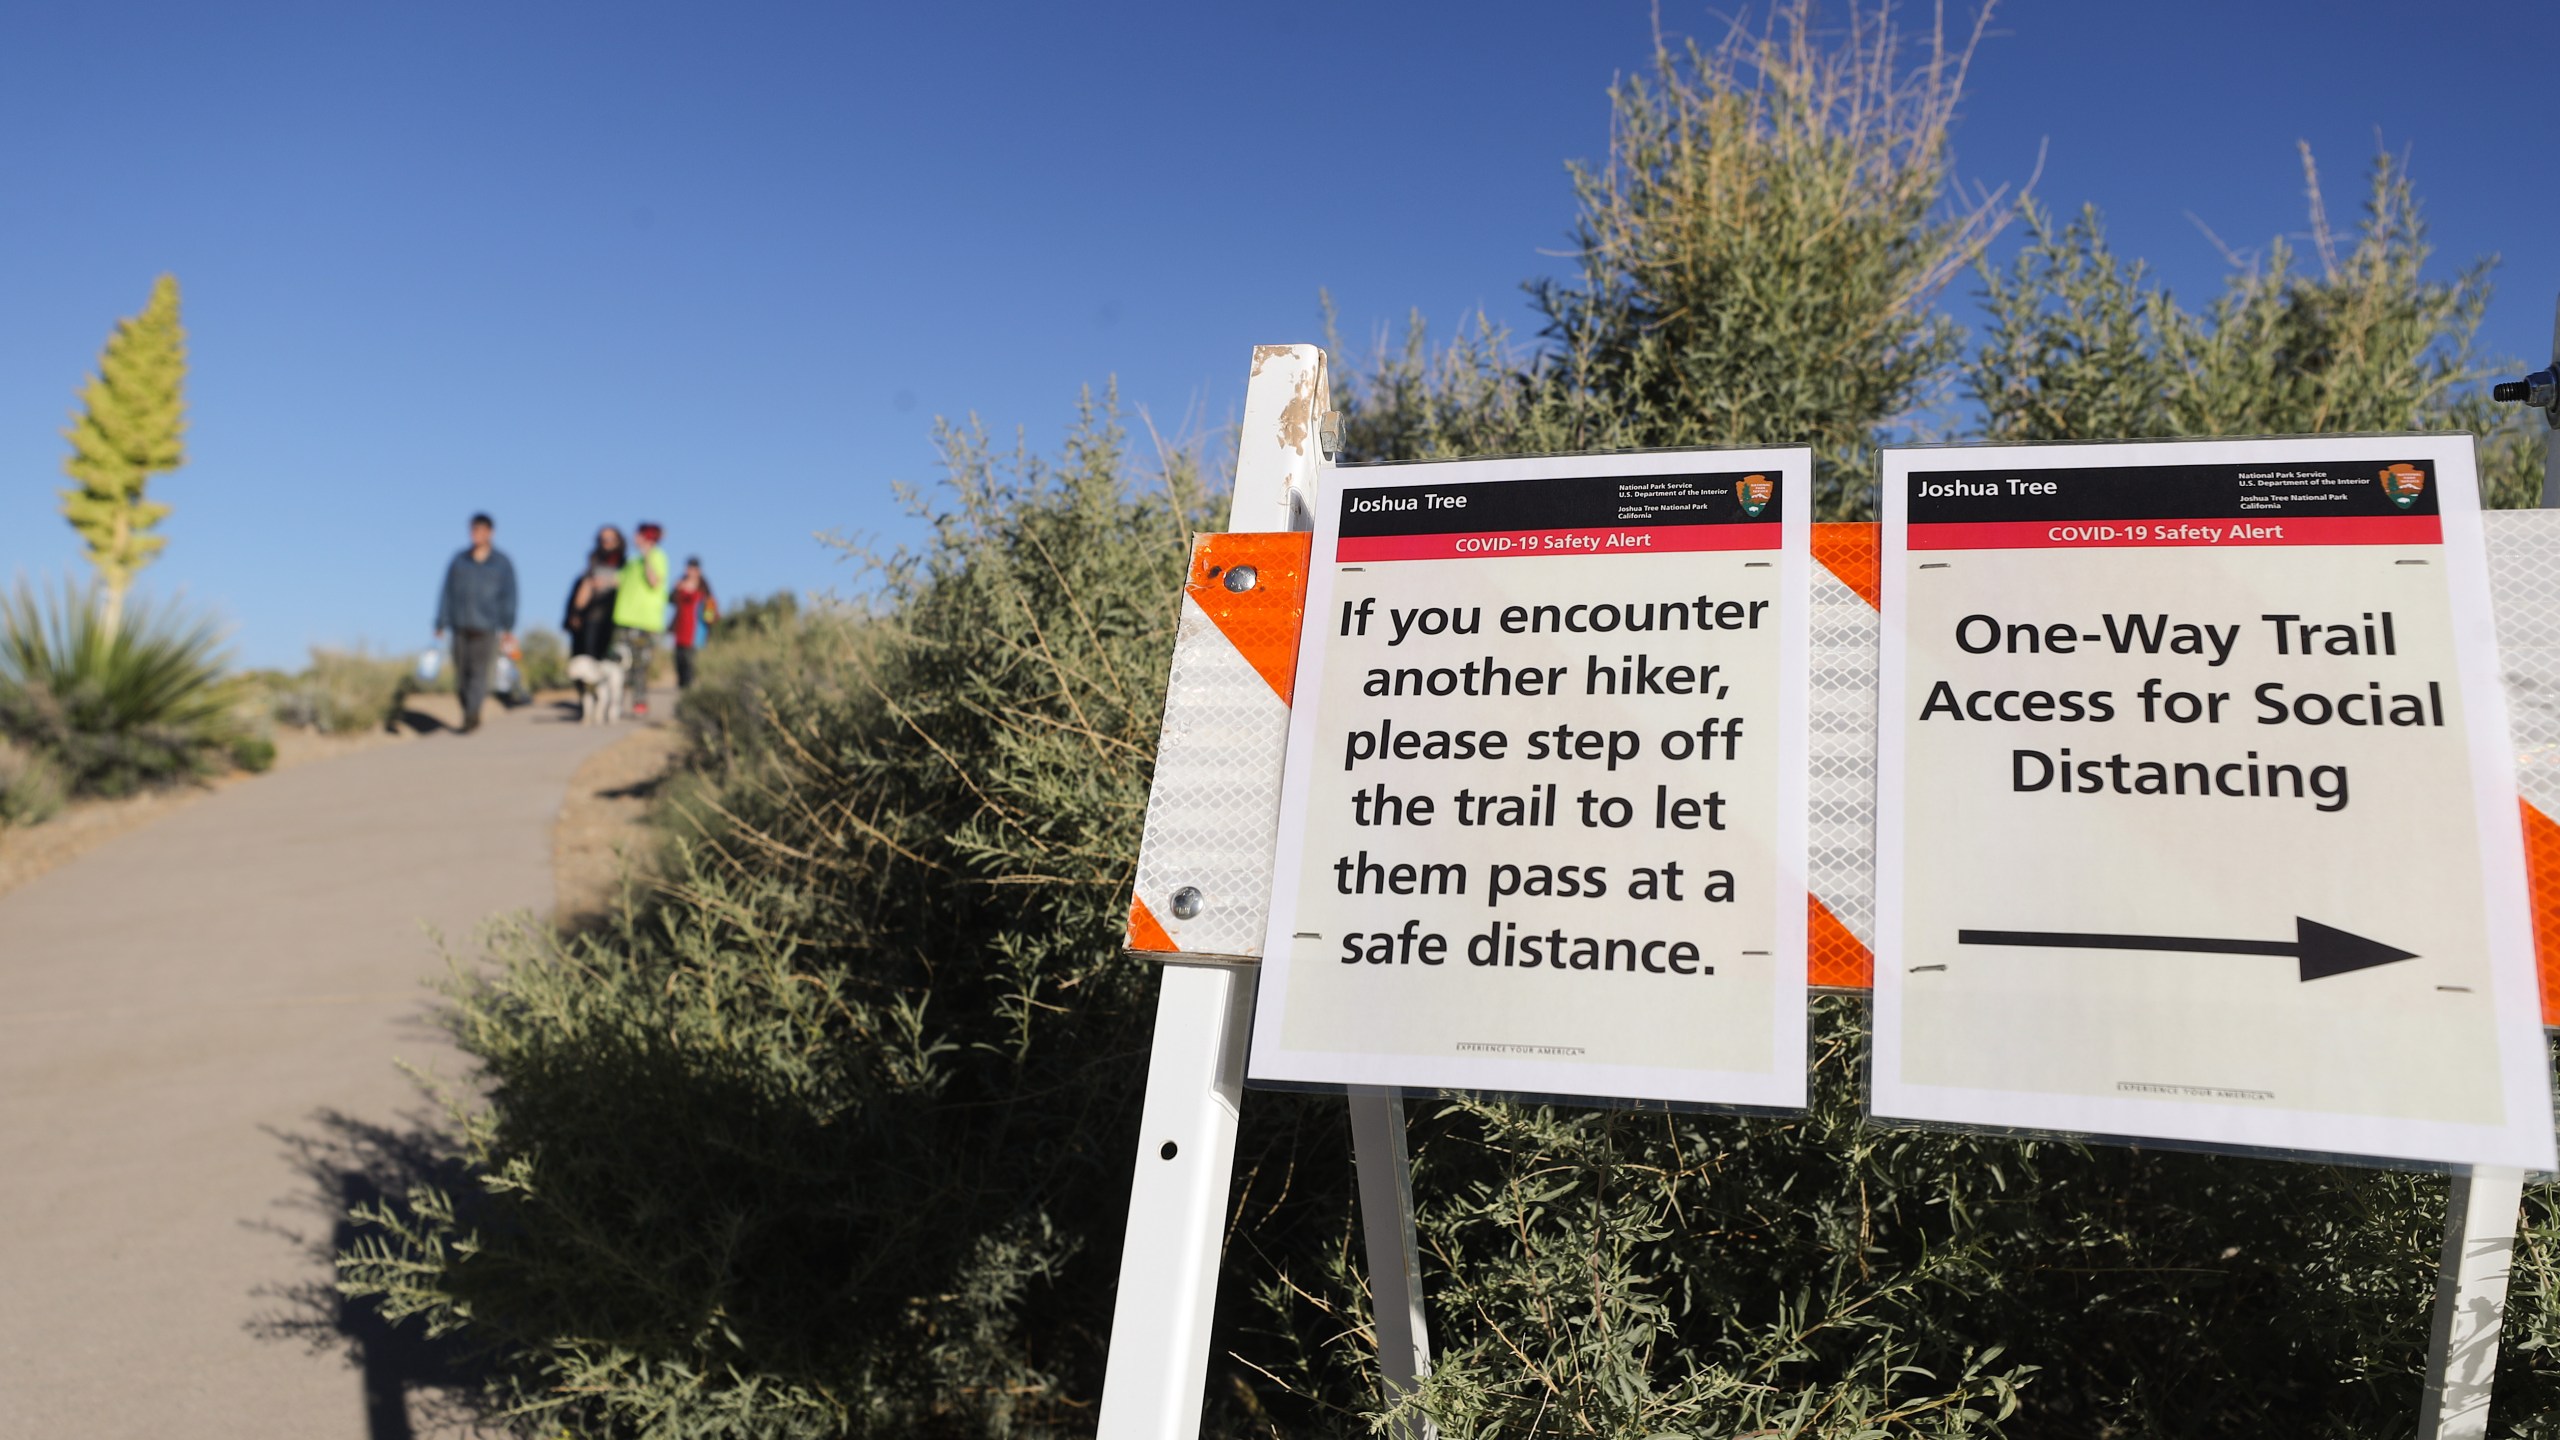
(478, 604)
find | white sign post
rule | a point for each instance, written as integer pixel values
(1203, 888)
(2471, 1302)
(1542, 830)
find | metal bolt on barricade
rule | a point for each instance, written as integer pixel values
(2541, 390)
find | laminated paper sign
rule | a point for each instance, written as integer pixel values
(1543, 825)
(2196, 815)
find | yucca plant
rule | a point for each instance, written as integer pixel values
(119, 709)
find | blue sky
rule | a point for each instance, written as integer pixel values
(721, 267)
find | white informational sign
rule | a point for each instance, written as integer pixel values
(2196, 814)
(1542, 830)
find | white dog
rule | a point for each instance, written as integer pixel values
(599, 686)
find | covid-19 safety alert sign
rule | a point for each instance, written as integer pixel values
(2196, 813)
(1543, 824)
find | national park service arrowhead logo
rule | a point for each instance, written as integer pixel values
(2404, 483)
(1756, 491)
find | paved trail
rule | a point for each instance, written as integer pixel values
(176, 1010)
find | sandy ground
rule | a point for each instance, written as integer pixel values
(604, 824)
(606, 811)
(200, 1024)
(30, 852)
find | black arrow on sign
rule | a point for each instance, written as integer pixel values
(2323, 950)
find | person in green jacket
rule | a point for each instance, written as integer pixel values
(640, 608)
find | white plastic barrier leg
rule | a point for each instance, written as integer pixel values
(1157, 1370)
(1177, 1205)
(2471, 1303)
(1386, 1225)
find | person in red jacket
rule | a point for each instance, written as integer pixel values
(696, 607)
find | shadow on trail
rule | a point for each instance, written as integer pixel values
(413, 1384)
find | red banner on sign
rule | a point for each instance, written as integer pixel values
(2107, 534)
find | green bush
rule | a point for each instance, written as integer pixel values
(777, 650)
(543, 659)
(759, 614)
(31, 788)
(340, 692)
(118, 711)
(1715, 305)
(252, 752)
(1757, 263)
(2083, 345)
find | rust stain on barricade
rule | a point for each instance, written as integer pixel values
(1299, 415)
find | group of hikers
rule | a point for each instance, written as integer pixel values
(622, 601)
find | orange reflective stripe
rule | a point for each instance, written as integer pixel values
(2542, 882)
(1854, 553)
(1834, 959)
(1262, 623)
(1145, 933)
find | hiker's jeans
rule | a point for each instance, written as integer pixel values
(475, 653)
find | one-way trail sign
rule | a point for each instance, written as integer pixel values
(2158, 703)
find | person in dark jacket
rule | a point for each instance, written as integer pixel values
(589, 619)
(478, 604)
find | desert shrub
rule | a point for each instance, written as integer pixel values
(144, 704)
(1757, 263)
(340, 692)
(778, 650)
(543, 659)
(1630, 1274)
(830, 1136)
(2082, 344)
(31, 787)
(759, 612)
